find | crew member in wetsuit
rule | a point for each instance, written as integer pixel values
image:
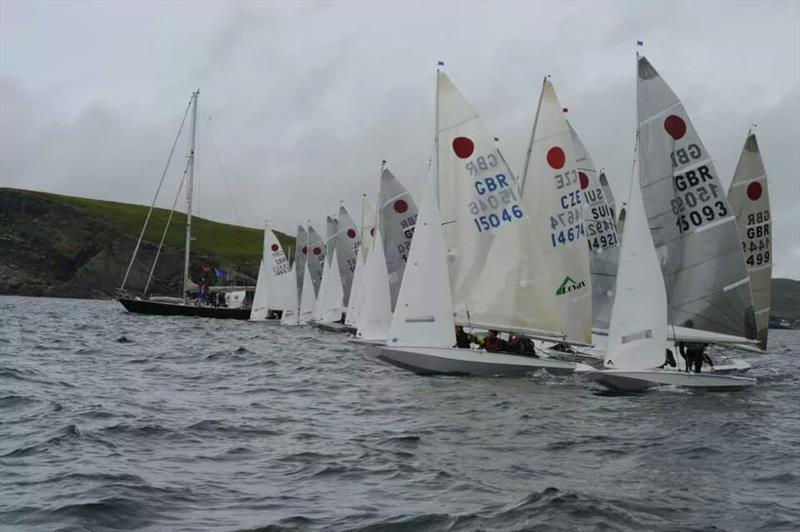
(693, 353)
(670, 360)
(463, 340)
(492, 342)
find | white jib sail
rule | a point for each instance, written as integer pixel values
(693, 225)
(308, 298)
(749, 199)
(291, 309)
(375, 316)
(347, 244)
(551, 191)
(331, 307)
(355, 292)
(496, 278)
(601, 233)
(424, 312)
(637, 336)
(259, 309)
(398, 214)
(315, 258)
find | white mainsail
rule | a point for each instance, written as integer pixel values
(272, 273)
(551, 191)
(355, 293)
(375, 316)
(693, 226)
(637, 336)
(315, 258)
(496, 277)
(398, 214)
(749, 198)
(330, 301)
(323, 298)
(347, 244)
(601, 233)
(424, 312)
(300, 254)
(308, 298)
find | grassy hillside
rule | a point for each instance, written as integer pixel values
(232, 243)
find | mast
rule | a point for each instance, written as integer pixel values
(533, 134)
(189, 189)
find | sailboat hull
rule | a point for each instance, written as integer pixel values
(334, 327)
(143, 306)
(639, 381)
(454, 361)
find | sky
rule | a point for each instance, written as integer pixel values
(300, 102)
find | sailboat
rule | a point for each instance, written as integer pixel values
(186, 304)
(294, 282)
(749, 198)
(601, 234)
(476, 233)
(273, 273)
(356, 299)
(334, 297)
(397, 215)
(638, 329)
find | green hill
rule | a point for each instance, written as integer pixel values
(56, 245)
(233, 243)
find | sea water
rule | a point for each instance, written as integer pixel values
(112, 420)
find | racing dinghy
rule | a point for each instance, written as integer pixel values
(484, 255)
(637, 341)
(269, 298)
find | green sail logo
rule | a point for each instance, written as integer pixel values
(569, 285)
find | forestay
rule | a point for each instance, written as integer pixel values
(424, 312)
(749, 200)
(552, 194)
(496, 278)
(693, 226)
(398, 214)
(637, 336)
(601, 233)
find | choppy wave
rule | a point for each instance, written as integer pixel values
(112, 421)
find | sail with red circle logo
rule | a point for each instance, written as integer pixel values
(347, 243)
(496, 278)
(398, 216)
(601, 233)
(315, 258)
(692, 222)
(750, 203)
(300, 252)
(551, 189)
(273, 275)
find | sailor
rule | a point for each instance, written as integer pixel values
(670, 360)
(492, 342)
(463, 340)
(693, 353)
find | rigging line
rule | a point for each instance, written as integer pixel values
(225, 175)
(166, 228)
(155, 197)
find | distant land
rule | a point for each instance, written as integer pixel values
(66, 246)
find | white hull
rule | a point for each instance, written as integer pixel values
(637, 381)
(278, 321)
(333, 327)
(367, 341)
(454, 361)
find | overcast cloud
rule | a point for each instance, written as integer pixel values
(303, 100)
